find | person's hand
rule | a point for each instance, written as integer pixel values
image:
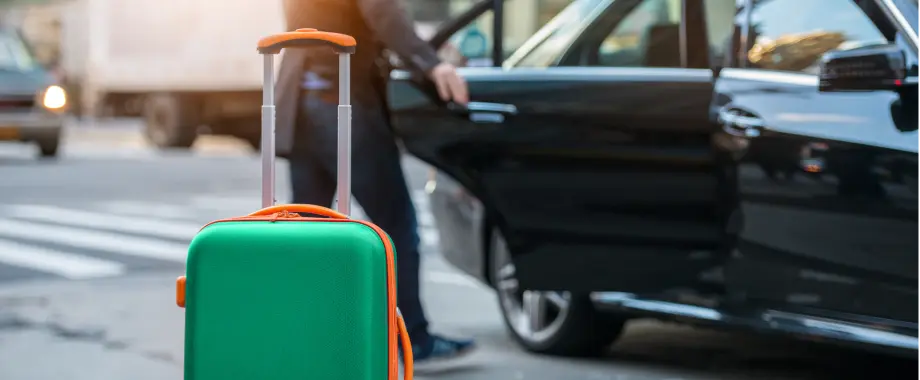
(451, 86)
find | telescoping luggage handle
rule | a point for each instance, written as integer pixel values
(344, 46)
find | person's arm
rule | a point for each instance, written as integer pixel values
(390, 22)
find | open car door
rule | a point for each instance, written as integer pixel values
(589, 147)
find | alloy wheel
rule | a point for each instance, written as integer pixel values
(535, 316)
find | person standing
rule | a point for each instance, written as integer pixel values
(306, 112)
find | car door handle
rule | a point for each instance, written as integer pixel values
(740, 125)
(484, 112)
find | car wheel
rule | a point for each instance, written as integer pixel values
(556, 323)
(169, 121)
(48, 148)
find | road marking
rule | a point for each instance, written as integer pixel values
(140, 225)
(227, 203)
(420, 198)
(146, 209)
(425, 218)
(95, 240)
(429, 236)
(71, 266)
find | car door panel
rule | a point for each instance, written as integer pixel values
(601, 178)
(595, 182)
(829, 198)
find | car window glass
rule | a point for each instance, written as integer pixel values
(792, 35)
(649, 36)
(720, 16)
(550, 41)
(472, 45)
(13, 54)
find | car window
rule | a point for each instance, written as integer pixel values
(649, 36)
(792, 35)
(720, 23)
(13, 53)
(545, 47)
(472, 45)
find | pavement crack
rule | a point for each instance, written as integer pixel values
(82, 334)
(14, 322)
(160, 356)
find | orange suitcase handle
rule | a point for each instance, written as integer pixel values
(306, 37)
(310, 209)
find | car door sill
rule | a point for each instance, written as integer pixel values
(763, 320)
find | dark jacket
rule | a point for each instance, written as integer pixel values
(375, 24)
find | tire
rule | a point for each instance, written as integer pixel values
(576, 329)
(169, 121)
(48, 148)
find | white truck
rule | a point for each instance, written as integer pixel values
(186, 67)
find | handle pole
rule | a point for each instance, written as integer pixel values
(343, 202)
(268, 132)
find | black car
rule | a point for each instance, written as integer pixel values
(32, 105)
(736, 163)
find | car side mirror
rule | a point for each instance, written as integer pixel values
(868, 68)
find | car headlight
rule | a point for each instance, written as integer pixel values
(54, 98)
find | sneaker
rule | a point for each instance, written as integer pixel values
(439, 349)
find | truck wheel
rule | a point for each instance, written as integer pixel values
(170, 121)
(554, 323)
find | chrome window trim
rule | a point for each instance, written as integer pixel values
(589, 73)
(787, 77)
(893, 13)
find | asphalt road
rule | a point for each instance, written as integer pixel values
(90, 245)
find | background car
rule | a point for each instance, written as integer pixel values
(31, 104)
(618, 165)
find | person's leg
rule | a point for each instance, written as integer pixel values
(379, 185)
(311, 182)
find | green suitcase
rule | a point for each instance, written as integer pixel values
(275, 295)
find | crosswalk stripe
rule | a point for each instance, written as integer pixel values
(140, 224)
(72, 266)
(420, 198)
(230, 204)
(429, 236)
(94, 240)
(145, 209)
(104, 228)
